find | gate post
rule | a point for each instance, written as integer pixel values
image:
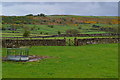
(75, 42)
(69, 42)
(64, 41)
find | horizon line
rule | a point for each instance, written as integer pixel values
(61, 15)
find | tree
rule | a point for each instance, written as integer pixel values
(26, 33)
(3, 28)
(41, 32)
(46, 33)
(79, 28)
(51, 26)
(29, 15)
(33, 28)
(72, 31)
(38, 28)
(59, 32)
(42, 15)
(95, 26)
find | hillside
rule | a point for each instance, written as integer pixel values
(59, 20)
(54, 24)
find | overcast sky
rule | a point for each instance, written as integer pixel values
(59, 8)
(60, 0)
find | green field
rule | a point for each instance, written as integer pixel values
(90, 61)
(45, 30)
(14, 26)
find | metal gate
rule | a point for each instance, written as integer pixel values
(71, 42)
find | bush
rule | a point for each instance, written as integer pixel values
(59, 32)
(79, 28)
(51, 26)
(110, 29)
(13, 31)
(40, 32)
(95, 26)
(38, 28)
(46, 33)
(72, 31)
(3, 28)
(29, 15)
(42, 15)
(26, 33)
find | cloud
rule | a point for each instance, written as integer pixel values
(68, 8)
(60, 0)
(0, 8)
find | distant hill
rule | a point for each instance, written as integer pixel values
(57, 24)
(59, 20)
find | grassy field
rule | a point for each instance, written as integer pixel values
(45, 30)
(90, 61)
(14, 26)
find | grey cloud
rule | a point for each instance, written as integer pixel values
(60, 0)
(68, 8)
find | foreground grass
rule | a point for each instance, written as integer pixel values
(90, 61)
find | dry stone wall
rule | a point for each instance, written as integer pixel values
(79, 42)
(38, 42)
(8, 43)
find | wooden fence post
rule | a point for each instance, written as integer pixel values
(75, 42)
(65, 41)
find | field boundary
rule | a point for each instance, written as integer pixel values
(9, 43)
(69, 35)
(80, 42)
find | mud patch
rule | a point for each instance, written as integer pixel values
(32, 58)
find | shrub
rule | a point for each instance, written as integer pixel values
(3, 28)
(59, 32)
(110, 29)
(46, 33)
(29, 15)
(95, 26)
(79, 28)
(40, 32)
(38, 28)
(72, 31)
(26, 33)
(13, 31)
(51, 26)
(42, 15)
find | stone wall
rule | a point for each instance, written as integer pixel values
(38, 42)
(88, 35)
(9, 43)
(70, 35)
(79, 42)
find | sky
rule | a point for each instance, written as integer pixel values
(60, 0)
(60, 8)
